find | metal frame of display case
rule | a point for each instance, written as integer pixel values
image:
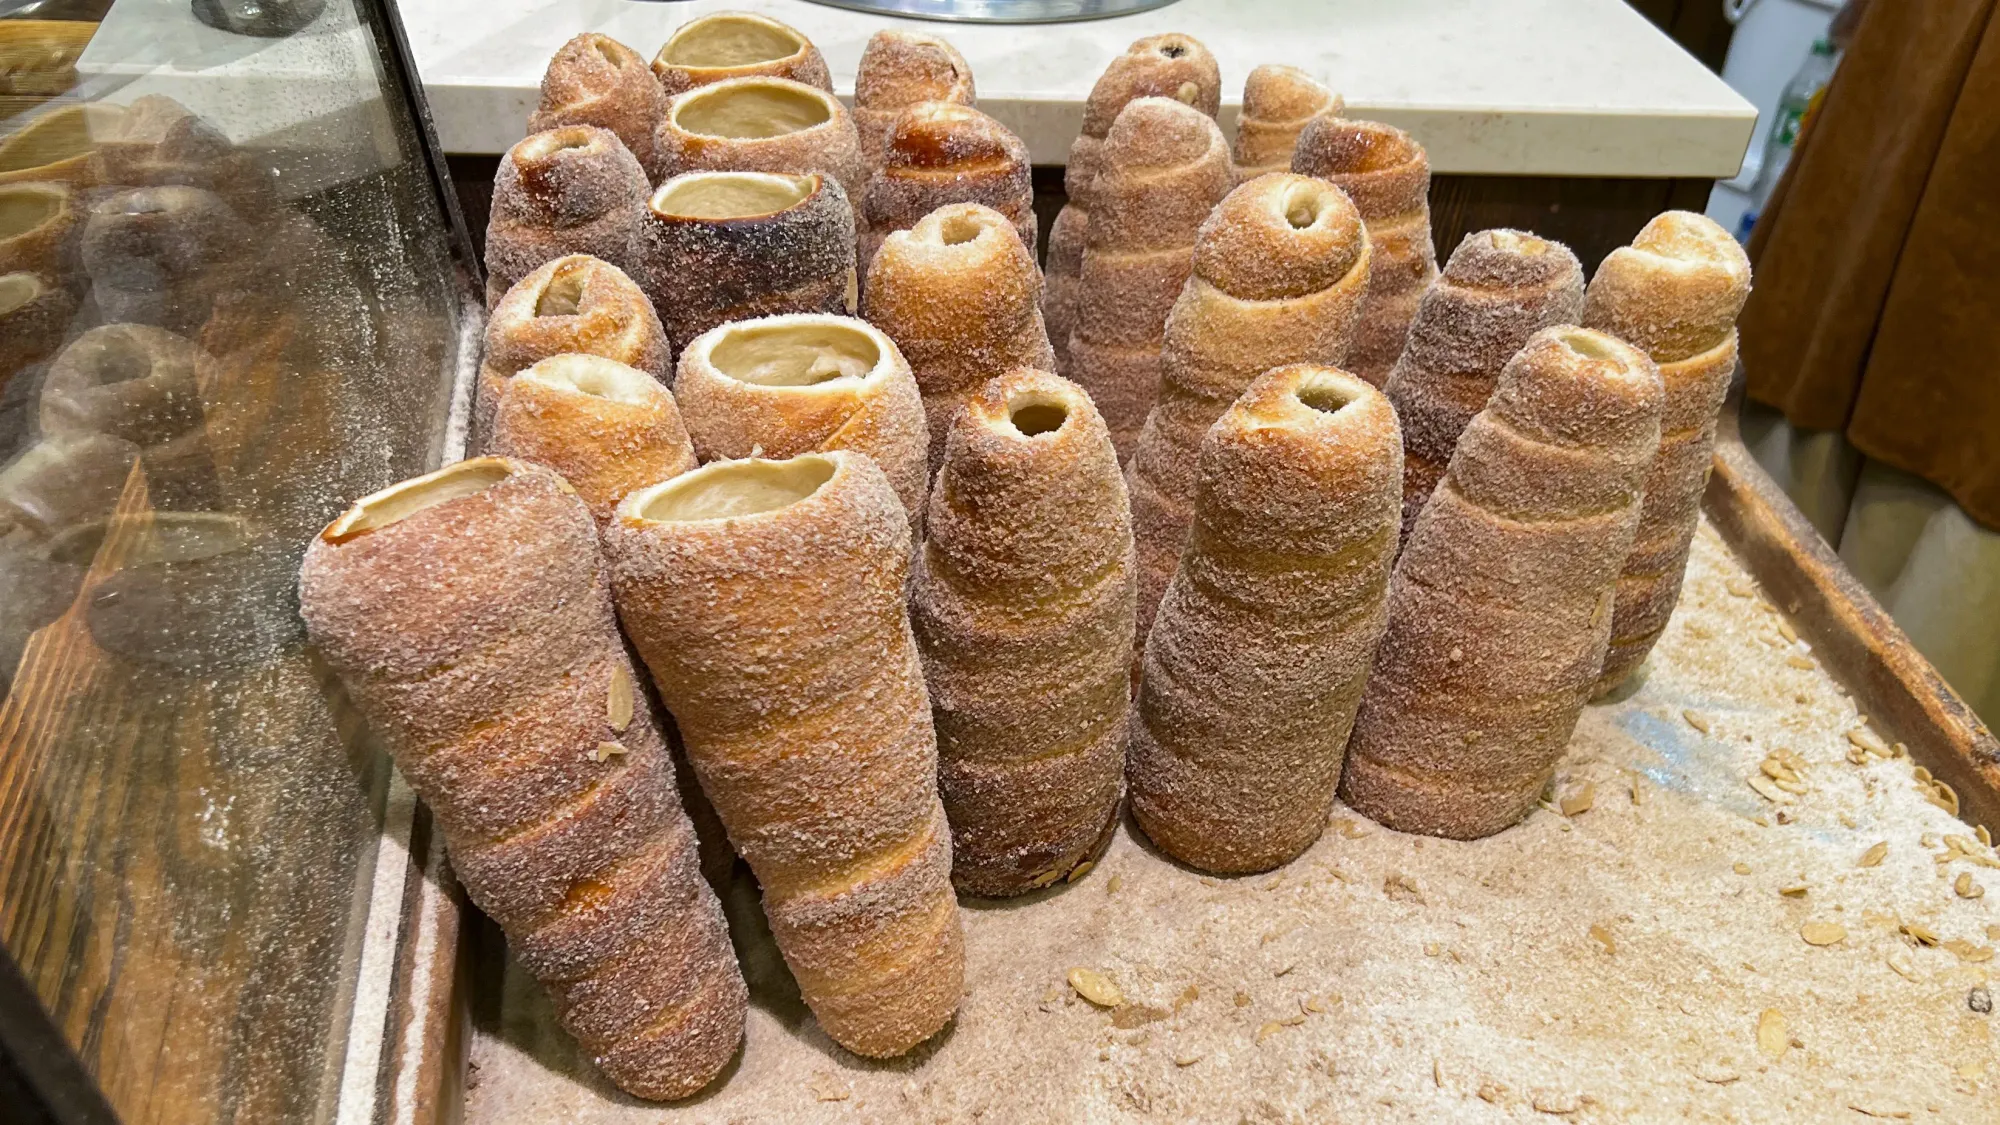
(398, 1065)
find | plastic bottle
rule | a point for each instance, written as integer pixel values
(1796, 107)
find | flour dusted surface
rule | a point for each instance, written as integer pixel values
(1611, 965)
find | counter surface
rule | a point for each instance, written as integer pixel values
(1505, 87)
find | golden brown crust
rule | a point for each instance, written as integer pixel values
(574, 189)
(596, 80)
(725, 45)
(475, 634)
(1500, 608)
(1674, 293)
(1280, 268)
(1500, 287)
(1387, 174)
(1278, 101)
(778, 637)
(940, 154)
(900, 69)
(779, 386)
(605, 427)
(576, 303)
(1172, 65)
(1165, 166)
(1022, 604)
(960, 296)
(701, 270)
(1264, 639)
(759, 125)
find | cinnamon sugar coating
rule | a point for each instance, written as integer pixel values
(1387, 174)
(706, 258)
(1280, 268)
(469, 616)
(766, 597)
(724, 45)
(759, 125)
(1264, 639)
(900, 69)
(1173, 66)
(576, 303)
(940, 154)
(1164, 167)
(1022, 604)
(1500, 287)
(780, 386)
(1675, 294)
(1500, 608)
(1278, 101)
(574, 189)
(605, 427)
(596, 80)
(960, 296)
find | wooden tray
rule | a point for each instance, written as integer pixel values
(1648, 947)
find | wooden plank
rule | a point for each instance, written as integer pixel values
(1851, 634)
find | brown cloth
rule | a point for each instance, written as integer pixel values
(1877, 303)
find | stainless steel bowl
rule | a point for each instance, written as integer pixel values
(1000, 11)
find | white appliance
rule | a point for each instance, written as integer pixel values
(1773, 37)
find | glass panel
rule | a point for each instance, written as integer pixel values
(228, 307)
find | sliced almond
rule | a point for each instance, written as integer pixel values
(1186, 1060)
(1269, 1029)
(1902, 963)
(1773, 1039)
(1797, 661)
(1786, 631)
(1769, 791)
(1923, 934)
(1873, 856)
(618, 701)
(1795, 890)
(1868, 740)
(1096, 988)
(606, 751)
(1697, 720)
(1823, 933)
(1579, 801)
(1740, 867)
(1964, 887)
(1603, 937)
(1079, 871)
(1968, 952)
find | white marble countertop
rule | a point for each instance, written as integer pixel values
(1517, 87)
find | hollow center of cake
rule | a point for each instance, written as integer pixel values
(607, 49)
(1513, 241)
(553, 141)
(16, 290)
(795, 355)
(1303, 205)
(1593, 345)
(59, 136)
(752, 110)
(1326, 392)
(563, 295)
(729, 489)
(957, 230)
(592, 375)
(1034, 415)
(729, 41)
(399, 502)
(25, 209)
(731, 195)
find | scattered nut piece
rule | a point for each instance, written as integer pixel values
(1796, 890)
(1868, 740)
(1768, 790)
(606, 751)
(1697, 720)
(1079, 871)
(1823, 933)
(1186, 1060)
(1112, 884)
(1242, 999)
(1269, 1029)
(1786, 631)
(829, 1088)
(1045, 878)
(1740, 867)
(1096, 988)
(1555, 1103)
(1772, 1037)
(1579, 801)
(1402, 888)
(1798, 661)
(1873, 856)
(1923, 934)
(1964, 887)
(1603, 937)
(1739, 588)
(1968, 952)
(1902, 963)
(1985, 837)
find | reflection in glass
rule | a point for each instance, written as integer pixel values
(227, 308)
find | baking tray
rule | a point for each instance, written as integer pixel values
(1662, 940)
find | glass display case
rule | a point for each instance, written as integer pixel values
(233, 297)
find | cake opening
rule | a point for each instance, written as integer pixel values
(542, 145)
(607, 50)
(22, 209)
(593, 375)
(1173, 50)
(1592, 345)
(731, 195)
(957, 230)
(563, 295)
(1672, 236)
(16, 290)
(752, 109)
(795, 353)
(1304, 204)
(399, 502)
(1515, 242)
(1037, 415)
(730, 489)
(726, 40)
(1325, 392)
(55, 137)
